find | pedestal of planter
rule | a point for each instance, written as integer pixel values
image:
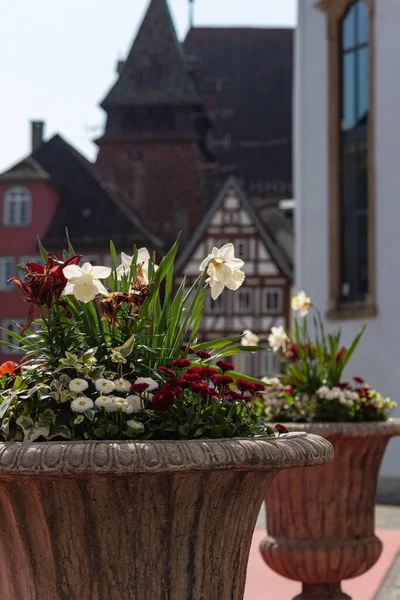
(321, 522)
(136, 520)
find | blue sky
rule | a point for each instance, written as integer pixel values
(57, 59)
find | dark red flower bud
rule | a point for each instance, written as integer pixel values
(289, 390)
(281, 428)
(163, 399)
(225, 366)
(242, 384)
(139, 387)
(358, 379)
(181, 362)
(202, 354)
(339, 355)
(222, 379)
(167, 371)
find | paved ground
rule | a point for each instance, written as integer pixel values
(382, 582)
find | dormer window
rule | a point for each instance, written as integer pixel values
(17, 210)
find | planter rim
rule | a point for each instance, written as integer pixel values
(118, 458)
(388, 428)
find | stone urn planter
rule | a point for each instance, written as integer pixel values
(321, 522)
(137, 520)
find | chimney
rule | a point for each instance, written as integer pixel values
(139, 198)
(37, 130)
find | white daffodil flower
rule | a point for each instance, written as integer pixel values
(223, 270)
(84, 282)
(278, 338)
(78, 385)
(301, 303)
(81, 405)
(143, 259)
(249, 338)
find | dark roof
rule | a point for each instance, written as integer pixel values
(271, 226)
(92, 215)
(245, 78)
(155, 71)
(26, 170)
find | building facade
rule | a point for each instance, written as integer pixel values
(346, 149)
(180, 123)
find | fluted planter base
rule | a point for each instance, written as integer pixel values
(136, 520)
(322, 591)
(323, 531)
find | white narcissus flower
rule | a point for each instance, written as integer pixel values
(152, 383)
(105, 386)
(78, 385)
(135, 402)
(81, 404)
(301, 303)
(249, 338)
(278, 338)
(143, 258)
(223, 270)
(84, 282)
(135, 425)
(122, 385)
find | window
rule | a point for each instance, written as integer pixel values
(215, 307)
(17, 207)
(13, 325)
(270, 363)
(244, 301)
(6, 272)
(351, 157)
(242, 249)
(273, 301)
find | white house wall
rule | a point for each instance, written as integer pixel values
(377, 358)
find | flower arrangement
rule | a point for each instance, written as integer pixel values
(311, 386)
(114, 354)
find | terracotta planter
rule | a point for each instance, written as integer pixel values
(136, 520)
(321, 522)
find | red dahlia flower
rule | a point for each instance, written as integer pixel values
(167, 371)
(181, 363)
(281, 428)
(225, 366)
(197, 386)
(44, 284)
(163, 399)
(222, 379)
(139, 387)
(202, 354)
(191, 377)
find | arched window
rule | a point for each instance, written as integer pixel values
(17, 210)
(351, 157)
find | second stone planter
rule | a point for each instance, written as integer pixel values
(321, 522)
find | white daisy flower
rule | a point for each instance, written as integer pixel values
(79, 419)
(105, 386)
(123, 405)
(78, 385)
(122, 385)
(152, 383)
(103, 401)
(135, 425)
(135, 402)
(81, 404)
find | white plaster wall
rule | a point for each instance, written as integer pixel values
(378, 356)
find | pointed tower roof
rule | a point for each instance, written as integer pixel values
(155, 71)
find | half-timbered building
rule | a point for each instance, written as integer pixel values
(263, 241)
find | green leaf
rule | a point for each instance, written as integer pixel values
(71, 250)
(43, 252)
(126, 349)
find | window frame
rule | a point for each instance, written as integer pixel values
(8, 287)
(7, 199)
(337, 309)
(272, 290)
(244, 290)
